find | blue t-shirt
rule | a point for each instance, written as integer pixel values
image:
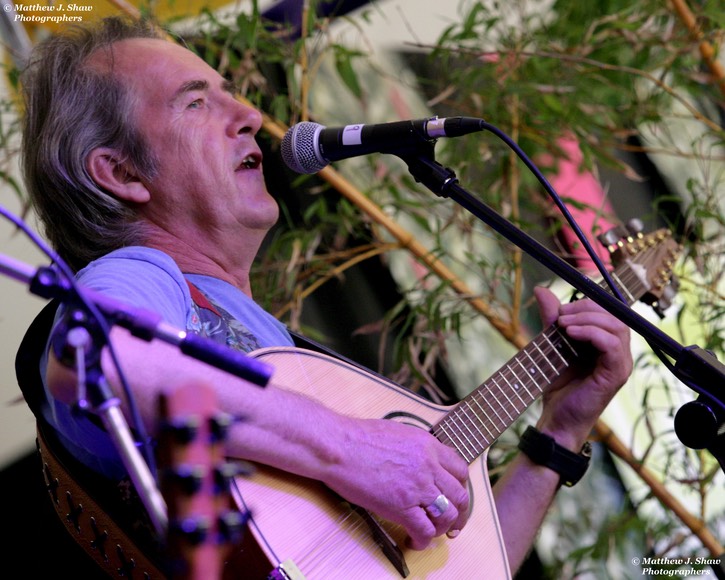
(149, 279)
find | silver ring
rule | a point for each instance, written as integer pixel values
(438, 507)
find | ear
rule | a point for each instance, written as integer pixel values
(115, 175)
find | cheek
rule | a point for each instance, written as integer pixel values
(185, 157)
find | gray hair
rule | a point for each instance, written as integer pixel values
(72, 108)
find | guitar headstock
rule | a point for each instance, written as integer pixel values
(650, 257)
(194, 480)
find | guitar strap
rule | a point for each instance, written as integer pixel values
(84, 515)
(88, 523)
(89, 517)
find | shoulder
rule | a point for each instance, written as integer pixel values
(132, 258)
(142, 277)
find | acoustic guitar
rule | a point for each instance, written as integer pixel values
(304, 530)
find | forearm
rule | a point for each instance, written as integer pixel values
(277, 427)
(523, 496)
(526, 491)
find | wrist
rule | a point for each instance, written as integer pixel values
(570, 436)
(542, 449)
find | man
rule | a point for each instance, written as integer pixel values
(144, 169)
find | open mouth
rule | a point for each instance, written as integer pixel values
(251, 161)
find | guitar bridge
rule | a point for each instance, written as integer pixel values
(387, 544)
(287, 570)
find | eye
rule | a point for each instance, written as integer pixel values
(196, 104)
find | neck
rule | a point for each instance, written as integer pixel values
(232, 266)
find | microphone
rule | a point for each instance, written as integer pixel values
(308, 147)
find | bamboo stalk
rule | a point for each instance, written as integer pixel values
(405, 239)
(696, 525)
(408, 241)
(706, 50)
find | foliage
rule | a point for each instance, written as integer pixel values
(620, 77)
(606, 73)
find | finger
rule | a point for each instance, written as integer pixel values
(548, 305)
(598, 327)
(463, 511)
(457, 494)
(452, 462)
(442, 513)
(421, 530)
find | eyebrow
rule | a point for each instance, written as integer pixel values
(201, 85)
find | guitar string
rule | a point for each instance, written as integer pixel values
(554, 342)
(485, 398)
(466, 402)
(320, 557)
(309, 556)
(628, 281)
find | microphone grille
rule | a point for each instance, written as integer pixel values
(300, 151)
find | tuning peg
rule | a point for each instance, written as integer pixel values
(184, 431)
(612, 236)
(635, 226)
(231, 525)
(668, 295)
(224, 473)
(188, 477)
(194, 529)
(219, 426)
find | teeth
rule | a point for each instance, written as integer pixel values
(249, 162)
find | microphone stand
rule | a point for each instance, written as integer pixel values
(699, 423)
(80, 344)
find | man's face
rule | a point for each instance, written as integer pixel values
(209, 164)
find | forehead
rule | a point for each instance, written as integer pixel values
(153, 64)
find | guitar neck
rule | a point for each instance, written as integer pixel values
(481, 417)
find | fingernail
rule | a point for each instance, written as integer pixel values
(453, 533)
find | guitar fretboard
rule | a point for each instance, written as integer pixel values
(480, 418)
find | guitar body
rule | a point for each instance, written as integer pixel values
(308, 529)
(299, 529)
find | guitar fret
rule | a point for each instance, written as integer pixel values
(563, 339)
(503, 392)
(477, 422)
(511, 417)
(556, 350)
(533, 362)
(478, 444)
(529, 374)
(495, 384)
(521, 385)
(490, 391)
(441, 432)
(515, 387)
(475, 400)
(469, 444)
(460, 450)
(545, 358)
(467, 424)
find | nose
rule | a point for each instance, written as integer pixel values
(246, 119)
